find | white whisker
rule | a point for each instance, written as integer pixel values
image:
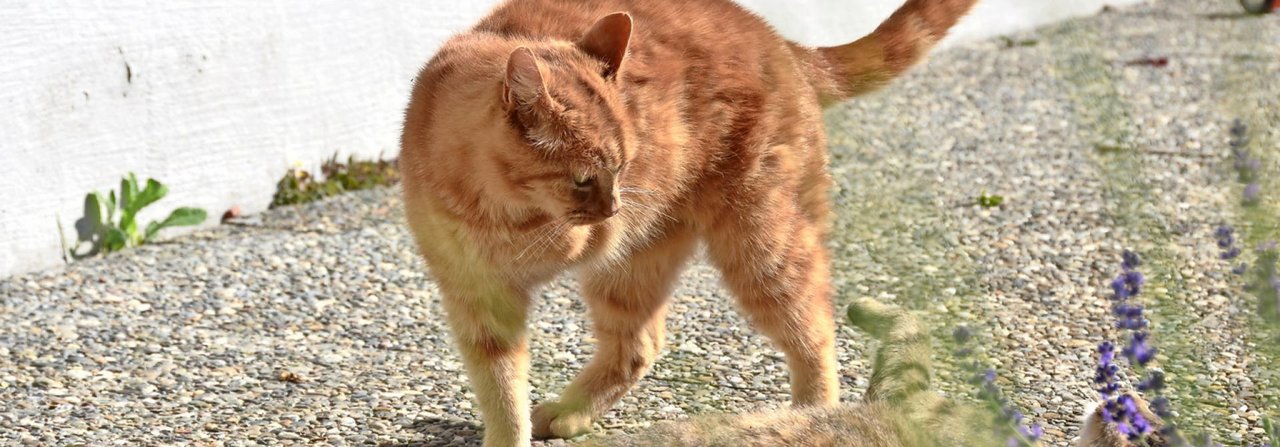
(543, 231)
(548, 238)
(636, 191)
(650, 208)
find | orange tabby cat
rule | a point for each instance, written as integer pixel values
(611, 136)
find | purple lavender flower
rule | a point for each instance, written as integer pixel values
(1130, 260)
(1251, 193)
(1231, 253)
(1138, 425)
(1121, 290)
(1139, 350)
(1107, 353)
(1227, 242)
(1030, 434)
(1171, 435)
(1130, 316)
(1246, 166)
(1121, 409)
(1128, 284)
(1224, 232)
(1239, 128)
(1106, 371)
(1240, 269)
(1226, 237)
(1134, 280)
(1035, 432)
(1160, 406)
(1010, 418)
(1153, 382)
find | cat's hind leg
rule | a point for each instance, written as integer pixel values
(627, 303)
(769, 248)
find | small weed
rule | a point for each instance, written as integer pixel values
(988, 201)
(1010, 42)
(1273, 431)
(1108, 148)
(299, 186)
(104, 233)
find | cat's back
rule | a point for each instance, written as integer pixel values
(661, 21)
(711, 39)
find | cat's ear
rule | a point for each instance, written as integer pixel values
(525, 82)
(607, 40)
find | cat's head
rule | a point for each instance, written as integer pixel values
(568, 134)
(1100, 431)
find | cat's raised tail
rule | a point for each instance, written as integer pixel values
(893, 48)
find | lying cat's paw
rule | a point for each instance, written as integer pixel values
(556, 420)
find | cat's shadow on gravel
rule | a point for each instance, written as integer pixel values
(442, 432)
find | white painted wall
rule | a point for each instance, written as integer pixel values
(218, 98)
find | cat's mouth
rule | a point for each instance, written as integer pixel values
(582, 218)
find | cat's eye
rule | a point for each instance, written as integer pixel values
(583, 181)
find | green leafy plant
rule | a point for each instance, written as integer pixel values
(299, 186)
(987, 201)
(1272, 430)
(1010, 42)
(111, 225)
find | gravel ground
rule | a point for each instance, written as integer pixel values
(317, 324)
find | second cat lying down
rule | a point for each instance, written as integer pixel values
(899, 408)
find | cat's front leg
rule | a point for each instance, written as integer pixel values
(487, 320)
(627, 302)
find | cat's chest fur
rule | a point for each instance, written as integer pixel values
(536, 249)
(551, 248)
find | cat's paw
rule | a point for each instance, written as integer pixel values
(553, 420)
